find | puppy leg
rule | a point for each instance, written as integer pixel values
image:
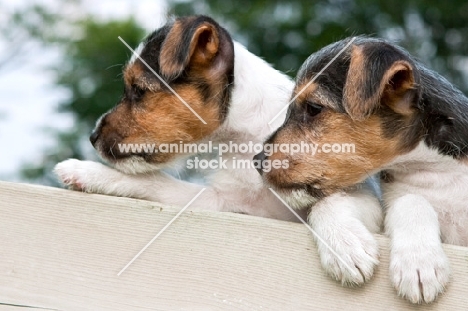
(419, 268)
(339, 222)
(95, 177)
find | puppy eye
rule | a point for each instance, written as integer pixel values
(313, 109)
(137, 92)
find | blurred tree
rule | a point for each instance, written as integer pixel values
(91, 71)
(93, 65)
(26, 26)
(285, 33)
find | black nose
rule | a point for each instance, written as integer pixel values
(260, 158)
(94, 137)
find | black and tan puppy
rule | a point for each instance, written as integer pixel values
(404, 121)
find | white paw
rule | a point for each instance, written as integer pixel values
(356, 253)
(80, 175)
(419, 273)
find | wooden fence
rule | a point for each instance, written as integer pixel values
(62, 250)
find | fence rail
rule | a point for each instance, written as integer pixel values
(62, 250)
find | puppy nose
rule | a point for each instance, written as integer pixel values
(261, 157)
(94, 137)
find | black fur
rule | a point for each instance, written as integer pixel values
(152, 48)
(332, 80)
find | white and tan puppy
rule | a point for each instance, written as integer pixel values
(405, 121)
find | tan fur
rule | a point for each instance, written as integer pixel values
(306, 90)
(159, 117)
(396, 92)
(356, 103)
(169, 66)
(201, 55)
(201, 51)
(134, 75)
(162, 119)
(372, 150)
(362, 126)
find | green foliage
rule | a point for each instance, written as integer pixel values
(91, 71)
(285, 33)
(93, 67)
(34, 23)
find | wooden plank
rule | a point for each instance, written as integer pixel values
(62, 250)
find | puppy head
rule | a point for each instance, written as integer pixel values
(360, 114)
(195, 57)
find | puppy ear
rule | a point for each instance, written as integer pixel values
(190, 42)
(379, 75)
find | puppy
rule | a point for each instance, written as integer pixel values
(236, 94)
(405, 121)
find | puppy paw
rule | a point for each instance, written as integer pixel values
(349, 254)
(419, 274)
(79, 175)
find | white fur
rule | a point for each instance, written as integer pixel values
(426, 205)
(260, 92)
(137, 53)
(298, 198)
(346, 221)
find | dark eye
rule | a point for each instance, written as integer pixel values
(136, 93)
(313, 109)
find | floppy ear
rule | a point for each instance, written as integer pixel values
(379, 75)
(189, 43)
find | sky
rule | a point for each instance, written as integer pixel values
(28, 98)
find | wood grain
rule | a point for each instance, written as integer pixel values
(62, 250)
